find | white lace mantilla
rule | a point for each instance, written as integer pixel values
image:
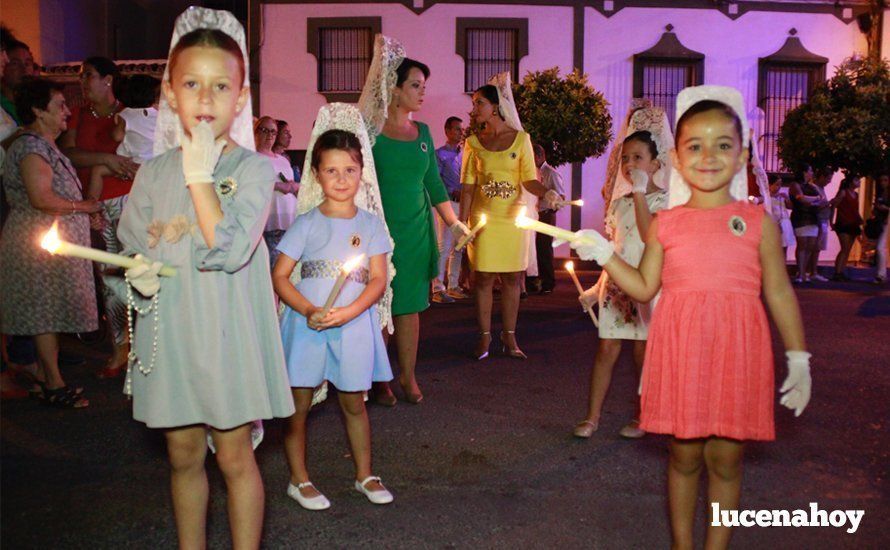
(342, 116)
(377, 91)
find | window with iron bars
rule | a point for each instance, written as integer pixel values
(782, 88)
(344, 58)
(660, 82)
(343, 48)
(489, 52)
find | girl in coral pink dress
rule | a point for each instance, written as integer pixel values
(708, 373)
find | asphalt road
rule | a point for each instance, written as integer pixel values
(487, 460)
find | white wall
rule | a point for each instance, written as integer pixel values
(288, 85)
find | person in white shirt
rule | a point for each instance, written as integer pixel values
(284, 198)
(549, 178)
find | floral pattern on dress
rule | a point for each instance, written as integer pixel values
(621, 304)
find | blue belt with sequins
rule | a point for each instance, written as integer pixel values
(330, 269)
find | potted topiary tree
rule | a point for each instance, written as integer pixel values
(845, 125)
(566, 116)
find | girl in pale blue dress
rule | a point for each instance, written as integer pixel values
(343, 345)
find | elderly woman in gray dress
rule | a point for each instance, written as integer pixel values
(40, 294)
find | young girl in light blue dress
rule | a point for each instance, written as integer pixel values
(344, 345)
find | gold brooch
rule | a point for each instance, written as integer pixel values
(355, 241)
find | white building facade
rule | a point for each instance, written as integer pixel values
(724, 43)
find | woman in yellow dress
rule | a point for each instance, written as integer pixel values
(498, 160)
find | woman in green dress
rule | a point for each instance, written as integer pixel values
(410, 186)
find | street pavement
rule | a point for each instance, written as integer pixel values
(487, 460)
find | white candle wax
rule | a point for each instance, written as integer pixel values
(570, 267)
(54, 245)
(476, 228)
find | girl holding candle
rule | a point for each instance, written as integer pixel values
(207, 349)
(498, 163)
(43, 295)
(343, 345)
(639, 189)
(708, 377)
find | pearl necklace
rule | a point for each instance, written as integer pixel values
(132, 359)
(109, 115)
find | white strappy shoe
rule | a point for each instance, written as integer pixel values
(382, 496)
(319, 502)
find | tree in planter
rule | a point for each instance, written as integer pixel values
(566, 116)
(845, 125)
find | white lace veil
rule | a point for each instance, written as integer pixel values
(738, 188)
(760, 175)
(614, 164)
(168, 127)
(381, 79)
(654, 121)
(342, 116)
(507, 106)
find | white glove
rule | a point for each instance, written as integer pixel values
(552, 200)
(458, 230)
(590, 245)
(200, 153)
(144, 277)
(640, 180)
(798, 384)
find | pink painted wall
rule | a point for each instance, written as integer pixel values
(288, 86)
(731, 50)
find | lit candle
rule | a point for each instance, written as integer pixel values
(576, 202)
(341, 280)
(54, 245)
(476, 228)
(570, 267)
(524, 222)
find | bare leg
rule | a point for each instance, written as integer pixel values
(684, 469)
(483, 285)
(246, 496)
(510, 307)
(407, 335)
(840, 263)
(601, 377)
(186, 450)
(358, 429)
(639, 359)
(803, 252)
(723, 458)
(295, 441)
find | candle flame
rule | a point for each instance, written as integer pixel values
(523, 221)
(482, 220)
(570, 266)
(579, 202)
(51, 241)
(352, 264)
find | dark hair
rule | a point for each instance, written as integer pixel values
(710, 105)
(7, 39)
(281, 124)
(140, 91)
(34, 93)
(340, 140)
(103, 66)
(644, 137)
(451, 119)
(539, 150)
(847, 182)
(405, 67)
(490, 93)
(208, 38)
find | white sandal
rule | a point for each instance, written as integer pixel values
(382, 496)
(319, 502)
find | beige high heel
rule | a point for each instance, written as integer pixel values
(515, 353)
(482, 350)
